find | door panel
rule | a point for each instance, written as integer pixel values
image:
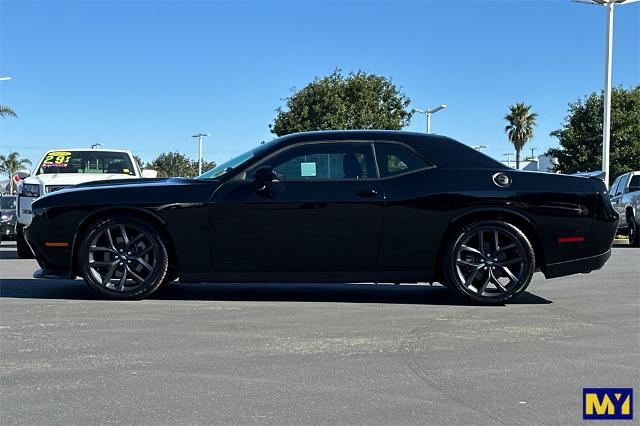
(298, 226)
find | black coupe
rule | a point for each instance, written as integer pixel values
(339, 206)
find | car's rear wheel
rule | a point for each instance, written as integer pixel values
(489, 262)
(23, 249)
(632, 226)
(123, 258)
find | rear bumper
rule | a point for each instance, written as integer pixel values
(577, 266)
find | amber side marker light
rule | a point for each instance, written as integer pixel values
(570, 239)
(52, 244)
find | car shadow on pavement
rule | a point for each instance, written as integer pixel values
(338, 293)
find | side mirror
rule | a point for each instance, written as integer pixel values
(264, 174)
(148, 173)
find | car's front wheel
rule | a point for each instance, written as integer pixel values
(489, 262)
(632, 226)
(123, 258)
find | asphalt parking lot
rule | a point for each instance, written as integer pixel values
(314, 354)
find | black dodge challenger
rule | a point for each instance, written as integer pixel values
(339, 206)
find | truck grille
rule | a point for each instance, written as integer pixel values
(53, 188)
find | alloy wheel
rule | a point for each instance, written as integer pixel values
(123, 257)
(490, 262)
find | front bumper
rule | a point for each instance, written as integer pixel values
(577, 266)
(49, 267)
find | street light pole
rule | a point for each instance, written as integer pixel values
(428, 113)
(508, 154)
(606, 119)
(200, 136)
(606, 123)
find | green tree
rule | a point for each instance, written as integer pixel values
(139, 161)
(171, 164)
(6, 111)
(356, 101)
(581, 134)
(520, 127)
(10, 165)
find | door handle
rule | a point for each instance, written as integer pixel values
(366, 192)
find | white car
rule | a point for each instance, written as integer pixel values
(62, 168)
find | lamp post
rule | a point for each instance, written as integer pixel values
(428, 113)
(200, 136)
(508, 154)
(606, 121)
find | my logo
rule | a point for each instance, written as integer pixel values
(607, 404)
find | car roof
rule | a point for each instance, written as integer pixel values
(89, 150)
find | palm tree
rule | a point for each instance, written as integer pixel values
(5, 111)
(520, 128)
(11, 164)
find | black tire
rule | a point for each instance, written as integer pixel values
(23, 249)
(513, 259)
(125, 250)
(632, 230)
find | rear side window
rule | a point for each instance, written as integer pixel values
(634, 185)
(394, 159)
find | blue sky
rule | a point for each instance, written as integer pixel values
(146, 75)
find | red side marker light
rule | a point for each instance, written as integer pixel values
(570, 240)
(53, 244)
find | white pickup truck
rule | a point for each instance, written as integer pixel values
(62, 168)
(625, 198)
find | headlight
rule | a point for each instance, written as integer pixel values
(30, 190)
(5, 217)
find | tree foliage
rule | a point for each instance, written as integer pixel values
(172, 164)
(6, 111)
(581, 134)
(12, 164)
(356, 101)
(139, 161)
(520, 125)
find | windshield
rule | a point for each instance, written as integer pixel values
(229, 165)
(7, 203)
(87, 162)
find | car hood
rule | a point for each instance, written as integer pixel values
(7, 211)
(74, 178)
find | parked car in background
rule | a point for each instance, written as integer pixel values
(341, 206)
(625, 198)
(63, 168)
(7, 217)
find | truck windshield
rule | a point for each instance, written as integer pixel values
(106, 162)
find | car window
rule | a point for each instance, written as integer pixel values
(7, 203)
(634, 184)
(394, 159)
(622, 184)
(86, 162)
(313, 161)
(614, 186)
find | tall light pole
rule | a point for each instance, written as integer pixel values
(606, 121)
(428, 113)
(200, 136)
(508, 154)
